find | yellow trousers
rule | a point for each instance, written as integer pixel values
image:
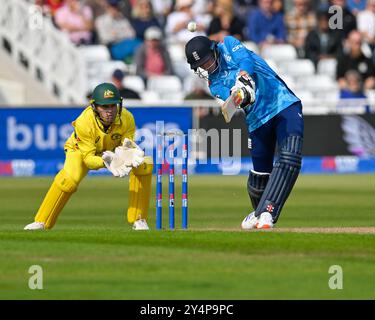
(68, 179)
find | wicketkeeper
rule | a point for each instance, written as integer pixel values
(273, 115)
(103, 137)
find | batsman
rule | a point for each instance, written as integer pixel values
(238, 77)
(103, 137)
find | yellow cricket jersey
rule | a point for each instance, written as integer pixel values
(91, 140)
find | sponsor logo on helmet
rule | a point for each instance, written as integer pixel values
(108, 94)
(116, 136)
(196, 56)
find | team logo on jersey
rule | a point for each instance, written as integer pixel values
(236, 47)
(108, 94)
(97, 139)
(196, 56)
(227, 57)
(116, 136)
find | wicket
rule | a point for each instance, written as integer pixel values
(159, 176)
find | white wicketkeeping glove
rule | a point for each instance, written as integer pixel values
(115, 164)
(131, 154)
(246, 84)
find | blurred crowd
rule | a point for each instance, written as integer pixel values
(137, 31)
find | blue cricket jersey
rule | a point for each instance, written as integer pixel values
(272, 94)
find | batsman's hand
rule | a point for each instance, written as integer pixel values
(115, 164)
(130, 153)
(246, 85)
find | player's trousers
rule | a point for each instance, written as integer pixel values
(68, 179)
(288, 122)
(270, 183)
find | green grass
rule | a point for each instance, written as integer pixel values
(93, 254)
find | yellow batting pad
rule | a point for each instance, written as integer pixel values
(56, 198)
(140, 191)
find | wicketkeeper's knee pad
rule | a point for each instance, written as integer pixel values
(65, 182)
(57, 196)
(283, 177)
(140, 191)
(256, 184)
(145, 168)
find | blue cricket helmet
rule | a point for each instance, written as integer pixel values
(199, 50)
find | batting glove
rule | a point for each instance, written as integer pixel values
(246, 85)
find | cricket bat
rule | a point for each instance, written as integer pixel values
(231, 105)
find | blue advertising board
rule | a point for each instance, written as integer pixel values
(32, 139)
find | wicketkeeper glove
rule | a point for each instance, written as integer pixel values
(246, 85)
(130, 153)
(115, 164)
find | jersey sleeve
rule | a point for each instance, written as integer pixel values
(220, 92)
(239, 54)
(86, 144)
(129, 126)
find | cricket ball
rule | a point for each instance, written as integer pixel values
(192, 26)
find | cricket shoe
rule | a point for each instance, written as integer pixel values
(35, 226)
(250, 221)
(140, 224)
(265, 221)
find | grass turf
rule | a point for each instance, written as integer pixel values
(93, 254)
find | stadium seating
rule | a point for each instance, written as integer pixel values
(317, 83)
(279, 52)
(251, 46)
(327, 67)
(297, 68)
(272, 64)
(289, 81)
(135, 83)
(12, 92)
(194, 81)
(101, 71)
(165, 86)
(371, 96)
(95, 53)
(177, 54)
(306, 96)
(176, 51)
(65, 69)
(149, 96)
